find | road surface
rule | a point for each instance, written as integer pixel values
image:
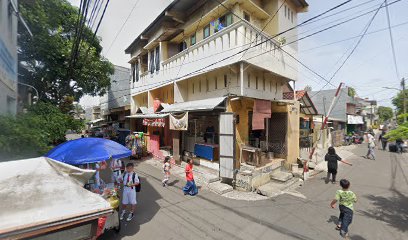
(381, 212)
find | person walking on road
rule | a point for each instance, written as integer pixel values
(346, 199)
(383, 140)
(190, 187)
(371, 146)
(130, 181)
(332, 158)
(166, 171)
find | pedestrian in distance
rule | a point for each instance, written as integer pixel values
(332, 158)
(130, 181)
(166, 171)
(371, 146)
(116, 166)
(190, 187)
(399, 142)
(346, 200)
(383, 140)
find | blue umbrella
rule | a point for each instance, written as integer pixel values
(88, 150)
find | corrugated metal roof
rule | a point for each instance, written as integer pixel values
(198, 105)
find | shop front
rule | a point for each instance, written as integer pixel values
(195, 128)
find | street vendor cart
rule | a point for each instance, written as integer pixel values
(44, 199)
(95, 153)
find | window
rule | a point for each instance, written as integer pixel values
(135, 72)
(151, 64)
(157, 58)
(225, 81)
(249, 80)
(182, 46)
(263, 83)
(229, 19)
(291, 16)
(206, 31)
(256, 83)
(286, 11)
(223, 22)
(193, 88)
(247, 17)
(10, 18)
(193, 39)
(216, 82)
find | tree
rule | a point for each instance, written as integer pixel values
(351, 92)
(398, 101)
(384, 113)
(35, 132)
(45, 58)
(401, 132)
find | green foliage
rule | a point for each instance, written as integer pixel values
(351, 92)
(35, 132)
(45, 57)
(384, 113)
(400, 132)
(398, 101)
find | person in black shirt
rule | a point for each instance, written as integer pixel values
(332, 158)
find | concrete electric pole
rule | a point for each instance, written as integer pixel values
(404, 99)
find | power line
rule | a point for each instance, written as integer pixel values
(239, 52)
(351, 38)
(392, 41)
(121, 28)
(353, 50)
(94, 8)
(198, 24)
(266, 24)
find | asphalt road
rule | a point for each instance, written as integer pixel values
(381, 212)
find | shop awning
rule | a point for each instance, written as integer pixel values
(198, 105)
(352, 119)
(149, 115)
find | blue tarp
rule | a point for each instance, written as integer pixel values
(88, 150)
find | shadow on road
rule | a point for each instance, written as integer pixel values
(357, 237)
(146, 209)
(393, 209)
(333, 219)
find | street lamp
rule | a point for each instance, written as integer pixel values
(28, 85)
(403, 96)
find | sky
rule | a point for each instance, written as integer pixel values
(368, 70)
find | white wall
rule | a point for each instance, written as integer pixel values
(8, 58)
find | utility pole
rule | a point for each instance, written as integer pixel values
(404, 99)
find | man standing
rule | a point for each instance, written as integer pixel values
(371, 146)
(190, 187)
(383, 140)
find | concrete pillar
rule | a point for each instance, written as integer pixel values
(176, 147)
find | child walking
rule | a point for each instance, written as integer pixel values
(346, 199)
(332, 158)
(130, 181)
(166, 171)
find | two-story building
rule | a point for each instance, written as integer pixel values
(115, 104)
(8, 57)
(207, 81)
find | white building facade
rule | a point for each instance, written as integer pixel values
(203, 50)
(8, 57)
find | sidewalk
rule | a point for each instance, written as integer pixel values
(208, 179)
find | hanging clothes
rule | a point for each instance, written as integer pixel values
(179, 121)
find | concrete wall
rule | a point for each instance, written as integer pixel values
(8, 58)
(292, 134)
(140, 100)
(118, 94)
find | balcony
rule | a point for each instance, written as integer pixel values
(219, 50)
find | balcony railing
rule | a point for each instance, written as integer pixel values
(223, 48)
